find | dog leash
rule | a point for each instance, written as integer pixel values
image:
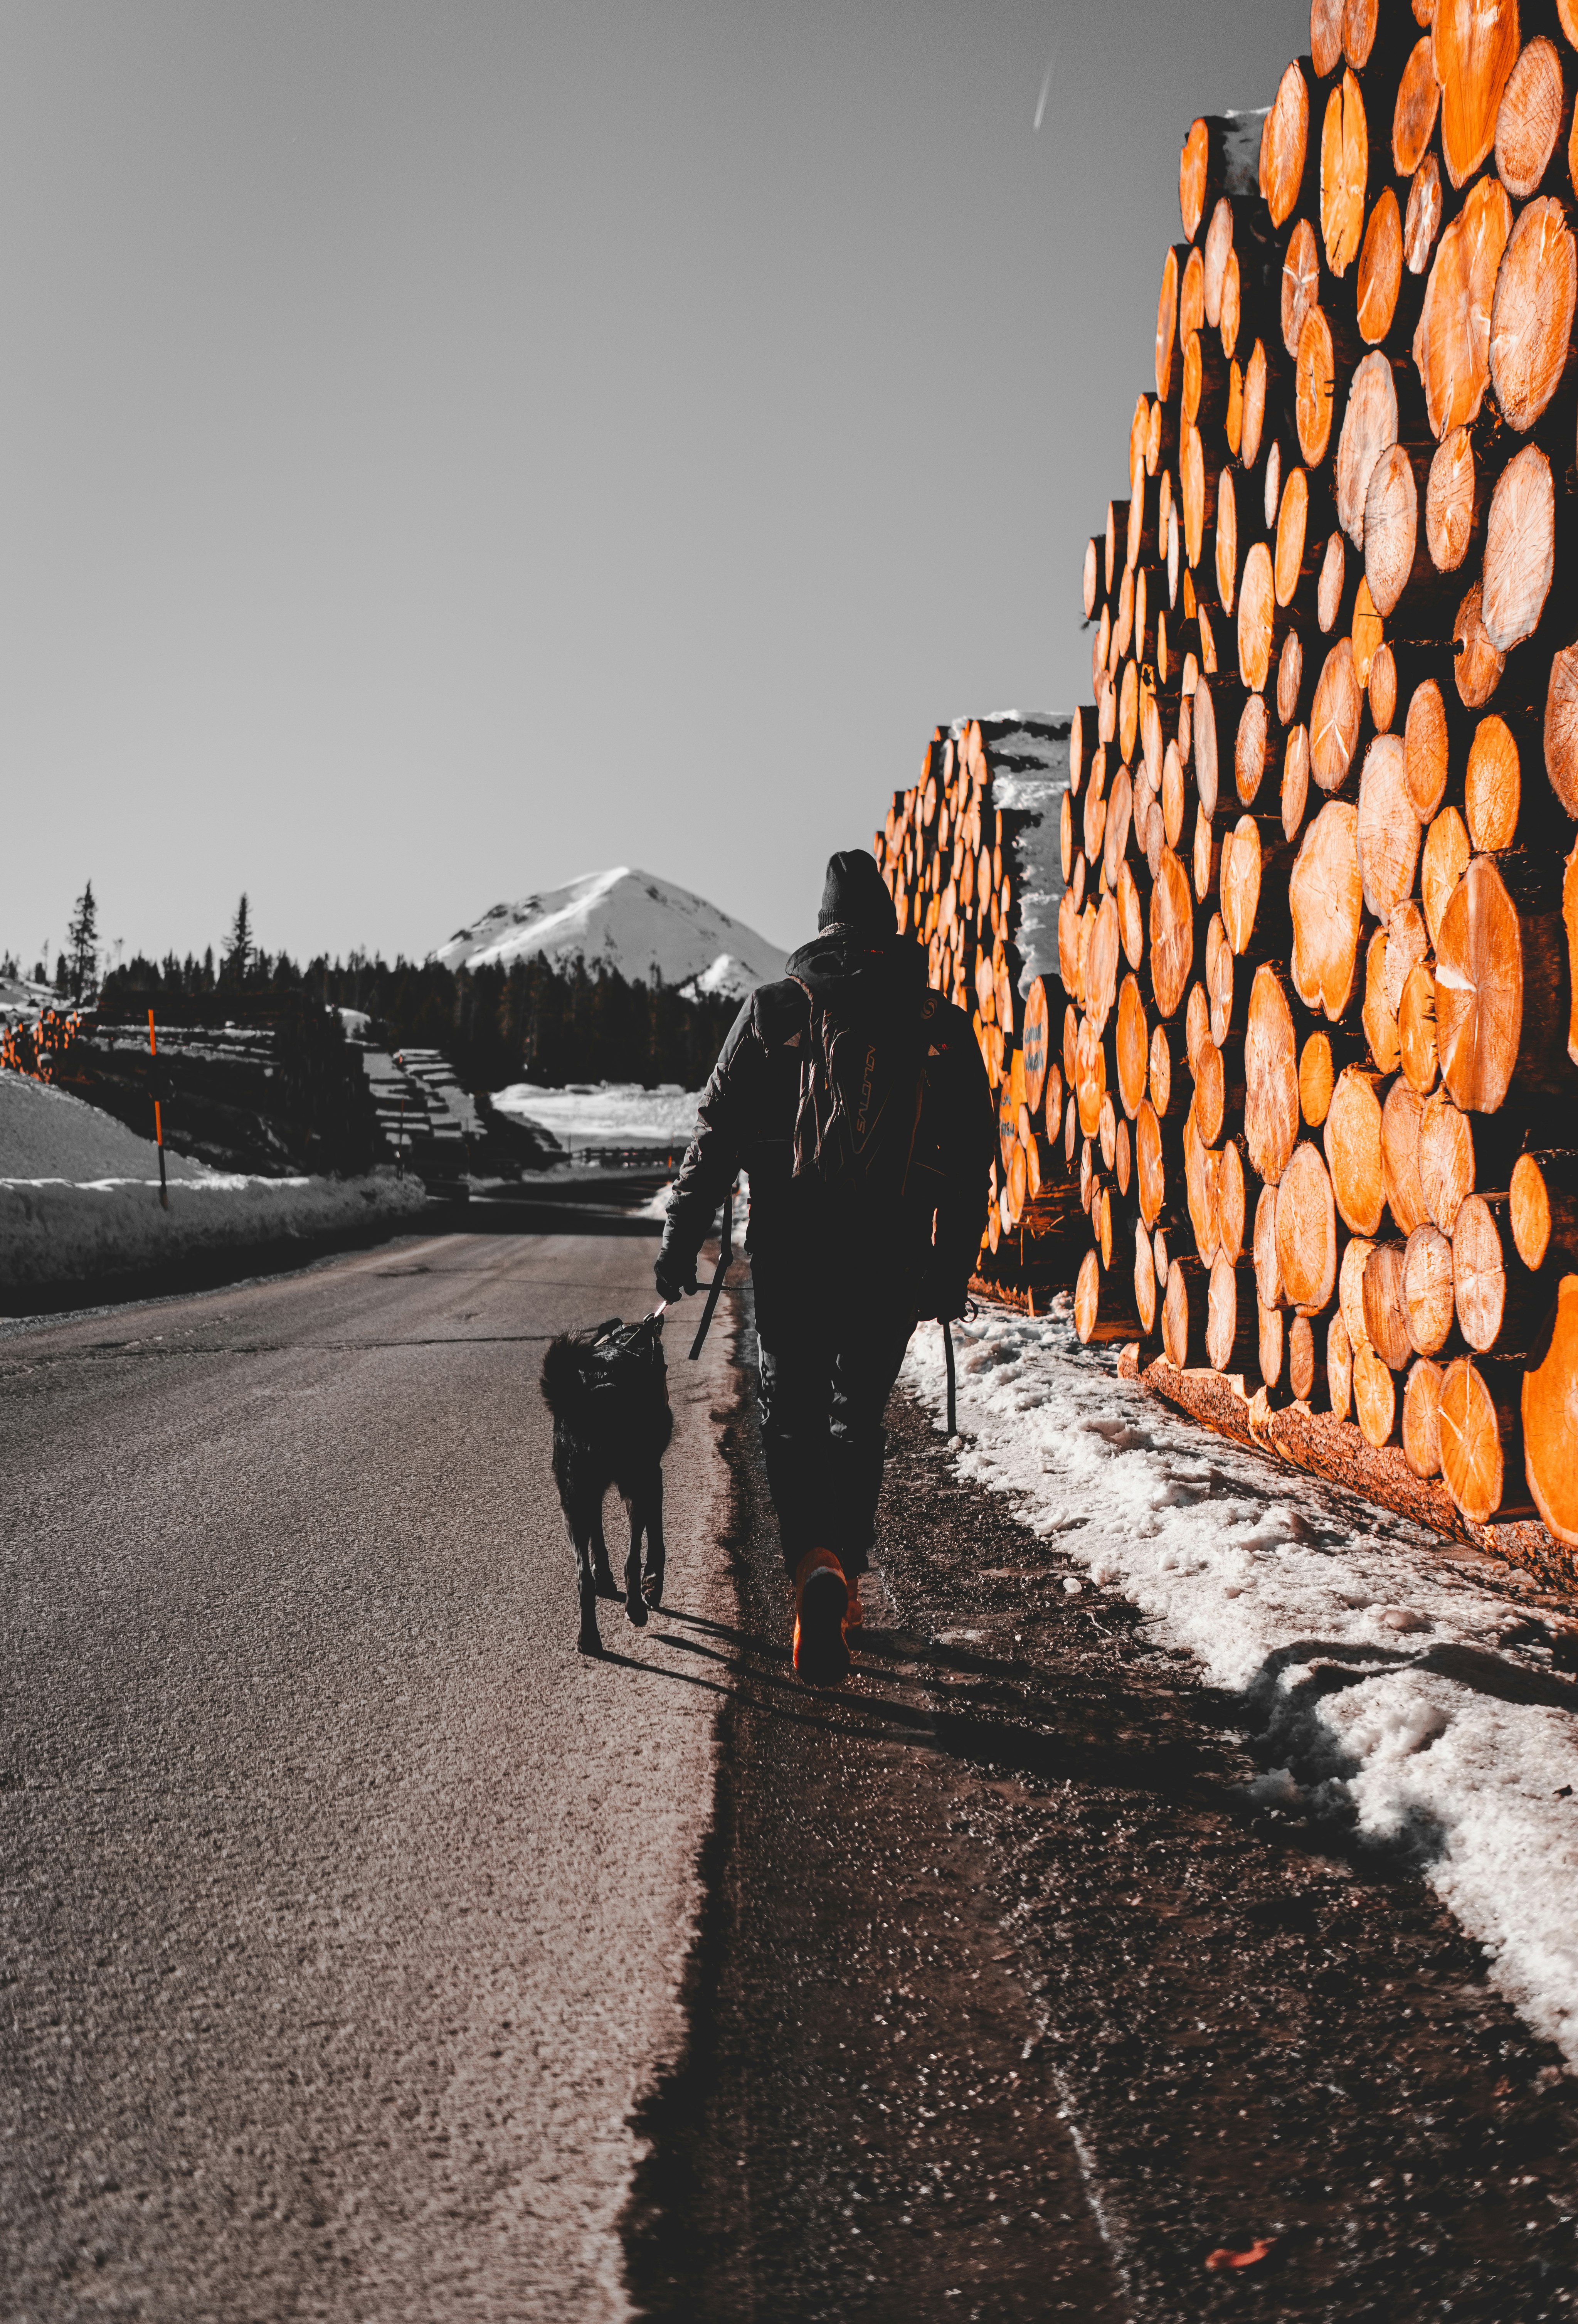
(726, 1253)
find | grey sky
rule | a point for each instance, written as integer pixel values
(451, 448)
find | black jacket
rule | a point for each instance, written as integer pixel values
(907, 1223)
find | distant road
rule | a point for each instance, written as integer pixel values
(343, 1907)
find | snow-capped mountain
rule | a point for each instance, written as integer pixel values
(627, 921)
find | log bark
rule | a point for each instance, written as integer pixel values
(1421, 1424)
(1326, 902)
(1549, 1411)
(1306, 1232)
(1453, 339)
(1502, 992)
(1344, 174)
(1520, 550)
(1414, 112)
(1339, 705)
(1232, 1317)
(1475, 46)
(1285, 144)
(1353, 1149)
(1428, 1300)
(1481, 1437)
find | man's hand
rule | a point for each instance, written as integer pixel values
(944, 1301)
(674, 1276)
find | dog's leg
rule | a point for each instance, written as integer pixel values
(635, 1605)
(602, 1570)
(589, 1642)
(656, 1551)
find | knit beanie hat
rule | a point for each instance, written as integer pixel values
(855, 896)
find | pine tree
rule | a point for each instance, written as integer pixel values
(238, 951)
(82, 935)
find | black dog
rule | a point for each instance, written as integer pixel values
(609, 1396)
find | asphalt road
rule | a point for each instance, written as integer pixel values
(343, 1907)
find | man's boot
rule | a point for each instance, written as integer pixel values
(821, 1607)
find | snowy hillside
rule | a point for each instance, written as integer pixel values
(626, 920)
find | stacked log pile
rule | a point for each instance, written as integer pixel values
(973, 856)
(1317, 939)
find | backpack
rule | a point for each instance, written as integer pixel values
(861, 1089)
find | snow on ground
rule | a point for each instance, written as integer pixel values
(48, 1133)
(79, 1197)
(605, 1113)
(1380, 1671)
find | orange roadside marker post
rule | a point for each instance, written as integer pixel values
(157, 1123)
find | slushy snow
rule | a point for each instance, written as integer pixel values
(1389, 1682)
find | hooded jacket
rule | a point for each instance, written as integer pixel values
(856, 1100)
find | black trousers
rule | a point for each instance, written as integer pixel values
(830, 1352)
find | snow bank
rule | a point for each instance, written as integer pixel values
(53, 1232)
(48, 1133)
(605, 1113)
(1388, 1682)
(80, 1198)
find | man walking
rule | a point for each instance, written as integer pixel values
(856, 1100)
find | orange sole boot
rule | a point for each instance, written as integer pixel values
(821, 1607)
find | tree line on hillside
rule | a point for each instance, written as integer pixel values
(527, 1022)
(530, 1021)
